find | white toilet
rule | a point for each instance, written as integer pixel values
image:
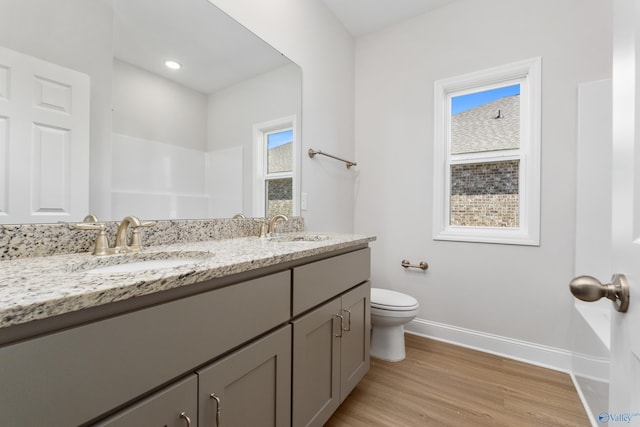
(390, 310)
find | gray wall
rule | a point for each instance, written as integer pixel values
(482, 295)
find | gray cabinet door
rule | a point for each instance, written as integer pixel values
(250, 387)
(354, 346)
(173, 406)
(316, 365)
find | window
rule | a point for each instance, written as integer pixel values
(487, 156)
(276, 168)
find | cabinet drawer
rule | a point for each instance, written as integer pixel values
(322, 280)
(173, 406)
(73, 376)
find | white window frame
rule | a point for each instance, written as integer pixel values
(260, 175)
(528, 74)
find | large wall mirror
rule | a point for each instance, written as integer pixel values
(159, 143)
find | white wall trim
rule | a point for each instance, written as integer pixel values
(535, 354)
(584, 400)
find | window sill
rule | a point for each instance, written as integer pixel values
(488, 235)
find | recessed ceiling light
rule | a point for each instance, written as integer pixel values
(172, 64)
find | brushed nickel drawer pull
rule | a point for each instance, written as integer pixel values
(348, 328)
(339, 335)
(184, 416)
(217, 399)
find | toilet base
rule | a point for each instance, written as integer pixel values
(387, 343)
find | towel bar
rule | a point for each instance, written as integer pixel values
(312, 154)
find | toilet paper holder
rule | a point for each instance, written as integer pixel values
(422, 266)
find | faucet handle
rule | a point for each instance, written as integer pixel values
(136, 242)
(90, 226)
(90, 218)
(102, 241)
(264, 224)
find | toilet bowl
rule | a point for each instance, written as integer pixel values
(390, 310)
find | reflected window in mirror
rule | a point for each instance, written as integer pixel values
(276, 168)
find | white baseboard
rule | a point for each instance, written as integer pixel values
(585, 401)
(535, 354)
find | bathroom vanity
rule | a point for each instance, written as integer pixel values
(247, 331)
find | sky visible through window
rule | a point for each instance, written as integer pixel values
(279, 138)
(463, 103)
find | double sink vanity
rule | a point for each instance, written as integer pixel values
(240, 331)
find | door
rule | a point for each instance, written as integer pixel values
(316, 365)
(250, 387)
(624, 391)
(356, 335)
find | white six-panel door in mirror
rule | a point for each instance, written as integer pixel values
(44, 140)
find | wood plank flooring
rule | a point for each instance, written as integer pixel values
(440, 384)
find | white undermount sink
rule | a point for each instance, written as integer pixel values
(299, 238)
(152, 264)
(139, 261)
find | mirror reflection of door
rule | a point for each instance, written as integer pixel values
(44, 140)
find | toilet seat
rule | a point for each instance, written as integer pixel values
(388, 300)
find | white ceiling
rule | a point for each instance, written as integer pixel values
(215, 50)
(361, 17)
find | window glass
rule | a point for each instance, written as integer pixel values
(280, 151)
(279, 196)
(487, 120)
(485, 194)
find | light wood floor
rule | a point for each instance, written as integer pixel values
(440, 384)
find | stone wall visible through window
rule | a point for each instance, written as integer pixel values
(485, 194)
(279, 197)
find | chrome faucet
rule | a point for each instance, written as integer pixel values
(273, 222)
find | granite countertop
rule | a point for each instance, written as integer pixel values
(37, 288)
